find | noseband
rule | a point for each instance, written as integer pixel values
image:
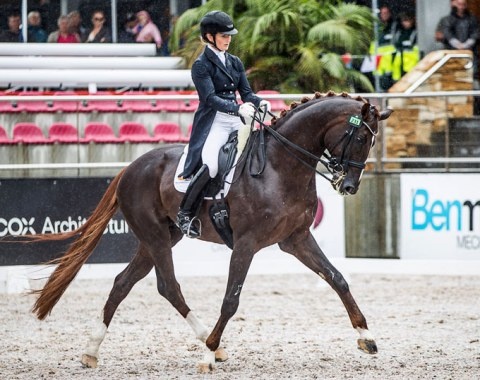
(338, 169)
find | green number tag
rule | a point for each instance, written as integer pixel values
(355, 121)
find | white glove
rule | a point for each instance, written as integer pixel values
(246, 110)
(265, 106)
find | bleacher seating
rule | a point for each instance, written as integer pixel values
(64, 105)
(97, 132)
(134, 132)
(32, 105)
(101, 105)
(170, 105)
(190, 105)
(138, 105)
(28, 133)
(63, 133)
(168, 132)
(4, 139)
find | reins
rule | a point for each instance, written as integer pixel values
(335, 168)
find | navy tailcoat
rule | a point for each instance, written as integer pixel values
(216, 85)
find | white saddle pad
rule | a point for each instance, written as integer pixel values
(181, 185)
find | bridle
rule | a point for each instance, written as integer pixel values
(337, 168)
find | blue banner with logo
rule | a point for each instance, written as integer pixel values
(35, 206)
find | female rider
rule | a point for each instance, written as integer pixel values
(217, 76)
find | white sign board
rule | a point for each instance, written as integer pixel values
(440, 217)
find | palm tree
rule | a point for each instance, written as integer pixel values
(293, 46)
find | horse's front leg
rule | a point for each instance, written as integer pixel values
(304, 247)
(239, 264)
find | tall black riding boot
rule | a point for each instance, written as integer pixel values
(186, 217)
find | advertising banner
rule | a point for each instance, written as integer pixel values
(35, 206)
(440, 217)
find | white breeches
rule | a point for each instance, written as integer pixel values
(222, 126)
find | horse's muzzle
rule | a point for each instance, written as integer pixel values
(348, 187)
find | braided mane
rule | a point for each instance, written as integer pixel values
(316, 96)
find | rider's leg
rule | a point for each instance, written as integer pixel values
(191, 203)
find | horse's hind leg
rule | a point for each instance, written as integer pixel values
(138, 268)
(167, 284)
(170, 289)
(304, 247)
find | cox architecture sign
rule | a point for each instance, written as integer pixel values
(44, 206)
(440, 216)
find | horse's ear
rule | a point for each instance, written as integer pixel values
(385, 114)
(365, 110)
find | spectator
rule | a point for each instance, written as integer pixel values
(388, 26)
(127, 34)
(49, 13)
(13, 34)
(63, 35)
(407, 52)
(386, 48)
(35, 31)
(99, 32)
(439, 37)
(461, 31)
(75, 25)
(146, 30)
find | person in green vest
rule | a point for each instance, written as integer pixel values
(386, 48)
(407, 52)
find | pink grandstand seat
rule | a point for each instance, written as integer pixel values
(32, 105)
(63, 133)
(28, 133)
(134, 132)
(277, 104)
(101, 105)
(65, 105)
(4, 139)
(190, 105)
(170, 105)
(167, 132)
(10, 106)
(99, 133)
(138, 105)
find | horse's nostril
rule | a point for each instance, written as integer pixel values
(350, 189)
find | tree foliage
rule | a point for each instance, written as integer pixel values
(292, 46)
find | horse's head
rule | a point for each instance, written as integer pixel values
(349, 144)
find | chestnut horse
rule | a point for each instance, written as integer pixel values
(277, 206)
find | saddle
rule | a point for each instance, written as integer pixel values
(254, 154)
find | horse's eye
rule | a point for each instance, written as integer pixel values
(362, 140)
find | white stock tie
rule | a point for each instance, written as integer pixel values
(221, 55)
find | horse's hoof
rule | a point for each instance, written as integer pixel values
(221, 355)
(204, 367)
(89, 361)
(367, 345)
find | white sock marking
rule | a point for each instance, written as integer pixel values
(365, 334)
(198, 327)
(96, 338)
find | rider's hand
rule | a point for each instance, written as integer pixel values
(265, 106)
(247, 110)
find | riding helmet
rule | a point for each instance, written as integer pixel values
(217, 22)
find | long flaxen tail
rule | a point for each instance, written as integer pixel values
(87, 238)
